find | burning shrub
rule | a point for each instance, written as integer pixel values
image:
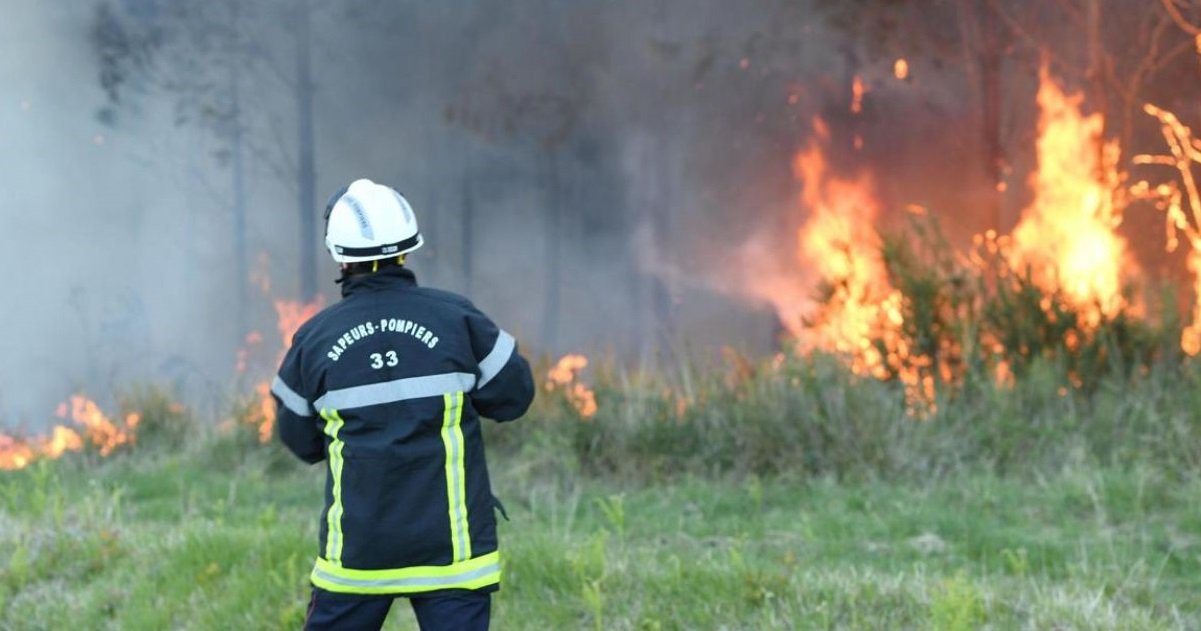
(809, 415)
(164, 422)
(90, 428)
(981, 316)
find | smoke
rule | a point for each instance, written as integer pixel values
(97, 241)
(597, 176)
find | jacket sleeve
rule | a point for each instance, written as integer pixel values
(505, 387)
(295, 418)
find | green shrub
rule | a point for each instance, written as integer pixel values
(810, 416)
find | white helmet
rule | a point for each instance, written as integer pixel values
(367, 221)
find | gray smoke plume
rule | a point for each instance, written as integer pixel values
(600, 176)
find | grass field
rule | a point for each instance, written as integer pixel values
(205, 540)
(778, 496)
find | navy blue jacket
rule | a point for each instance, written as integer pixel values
(388, 386)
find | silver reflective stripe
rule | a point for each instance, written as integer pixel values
(423, 581)
(398, 390)
(497, 359)
(294, 402)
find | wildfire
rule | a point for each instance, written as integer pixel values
(1066, 240)
(861, 315)
(565, 376)
(1067, 237)
(290, 315)
(97, 429)
(900, 69)
(839, 242)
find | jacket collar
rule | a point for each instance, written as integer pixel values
(386, 278)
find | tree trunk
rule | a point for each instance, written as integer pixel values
(238, 168)
(467, 223)
(990, 127)
(1095, 73)
(554, 247)
(663, 229)
(983, 43)
(306, 155)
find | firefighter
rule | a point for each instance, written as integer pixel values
(387, 387)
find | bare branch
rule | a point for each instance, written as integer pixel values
(1178, 18)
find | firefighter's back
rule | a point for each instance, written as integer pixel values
(388, 387)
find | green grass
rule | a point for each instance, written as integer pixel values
(221, 537)
(777, 496)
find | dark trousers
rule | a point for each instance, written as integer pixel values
(451, 610)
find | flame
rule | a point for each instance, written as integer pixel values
(254, 338)
(564, 376)
(861, 314)
(565, 371)
(290, 315)
(101, 432)
(900, 68)
(98, 431)
(839, 242)
(62, 440)
(1067, 238)
(15, 453)
(858, 89)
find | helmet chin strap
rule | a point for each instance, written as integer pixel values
(400, 260)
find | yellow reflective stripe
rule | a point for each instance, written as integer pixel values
(456, 476)
(461, 465)
(471, 574)
(333, 541)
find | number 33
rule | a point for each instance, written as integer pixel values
(377, 360)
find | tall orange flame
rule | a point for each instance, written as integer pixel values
(861, 315)
(1067, 237)
(840, 243)
(290, 315)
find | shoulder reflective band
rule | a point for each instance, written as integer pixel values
(497, 359)
(294, 402)
(456, 477)
(333, 540)
(397, 390)
(472, 574)
(380, 250)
